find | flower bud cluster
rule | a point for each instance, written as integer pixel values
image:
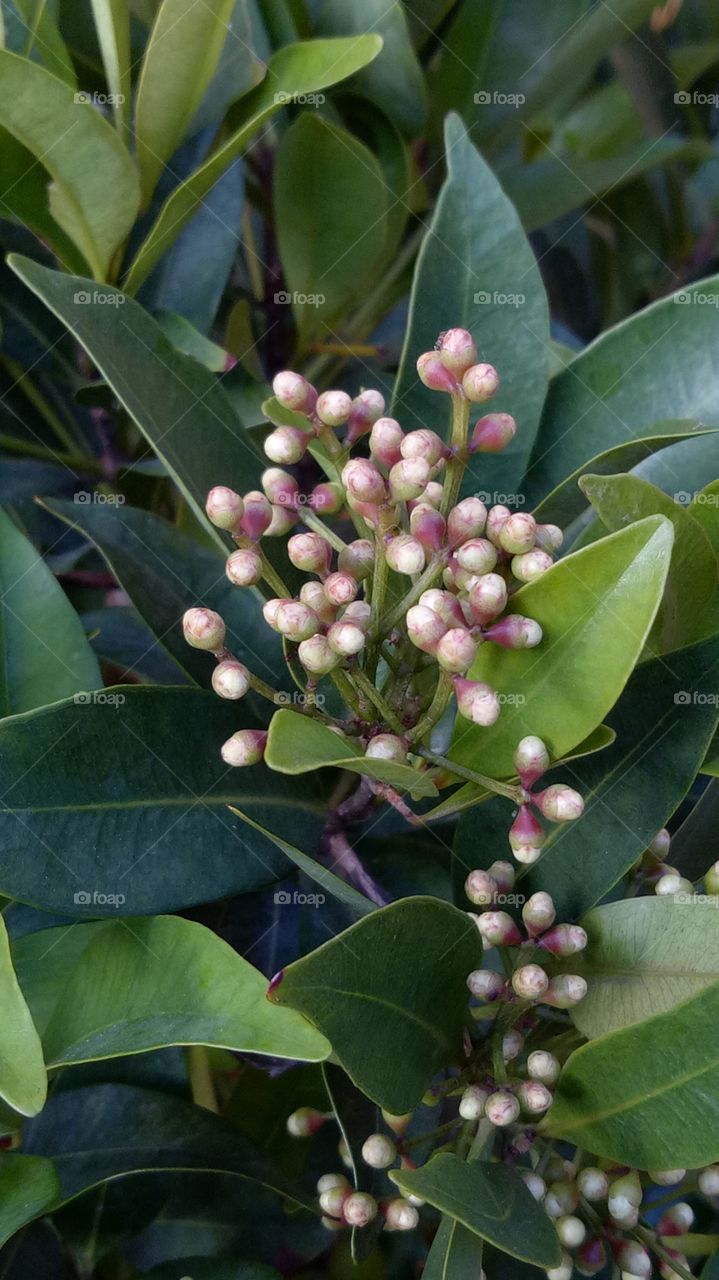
(557, 803)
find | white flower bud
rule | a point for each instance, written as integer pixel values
(571, 1231)
(480, 888)
(286, 445)
(480, 382)
(549, 537)
(408, 478)
(244, 567)
(666, 1177)
(487, 598)
(445, 605)
(501, 1108)
(224, 508)
(401, 1215)
(565, 990)
(530, 982)
(359, 1209)
(536, 1185)
(629, 1186)
(385, 441)
(559, 803)
(499, 929)
(477, 702)
(283, 519)
(329, 1181)
(668, 886)
(538, 913)
(564, 1271)
(456, 650)
(359, 612)
(634, 1260)
(379, 1151)
(534, 1097)
(425, 628)
(432, 495)
(332, 1199)
(517, 533)
(204, 629)
(531, 759)
(366, 409)
(512, 1045)
(296, 620)
(309, 552)
(270, 609)
(708, 1180)
(346, 638)
(676, 1220)
(230, 679)
(357, 558)
(340, 588)
(313, 594)
(245, 748)
(473, 1102)
(485, 984)
(531, 565)
(280, 488)
(466, 520)
(423, 444)
(457, 351)
(387, 746)
(497, 517)
(405, 554)
(543, 1066)
(333, 408)
(477, 555)
(316, 655)
(593, 1183)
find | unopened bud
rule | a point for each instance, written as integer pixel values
(230, 679)
(559, 803)
(666, 1177)
(294, 391)
(477, 555)
(531, 565)
(379, 1151)
(633, 1259)
(562, 1197)
(270, 609)
(480, 382)
(504, 875)
(480, 888)
(571, 1231)
(431, 496)
(305, 1122)
(531, 759)
(316, 655)
(708, 1180)
(257, 516)
(512, 1045)
(543, 1066)
(456, 650)
(526, 837)
(515, 632)
(387, 746)
(408, 478)
(535, 1185)
(329, 1181)
(310, 552)
(341, 588)
(496, 519)
(366, 409)
(593, 1183)
(493, 433)
(433, 373)
(359, 1209)
(467, 520)
(530, 982)
(333, 408)
(280, 487)
(564, 940)
(400, 1215)
(244, 567)
(477, 701)
(564, 1271)
(346, 638)
(487, 598)
(244, 748)
(427, 526)
(667, 1271)
(445, 605)
(283, 519)
(473, 1102)
(423, 444)
(363, 481)
(327, 498)
(565, 990)
(548, 537)
(296, 620)
(485, 984)
(498, 929)
(286, 445)
(517, 533)
(385, 441)
(425, 628)
(333, 1198)
(405, 554)
(204, 629)
(501, 1108)
(676, 1221)
(312, 593)
(224, 508)
(628, 1185)
(668, 886)
(360, 612)
(357, 558)
(457, 351)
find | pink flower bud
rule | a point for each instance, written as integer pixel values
(400, 1215)
(379, 1151)
(457, 351)
(387, 746)
(499, 929)
(480, 888)
(359, 1209)
(427, 526)
(533, 1096)
(224, 508)
(244, 568)
(549, 537)
(296, 620)
(559, 803)
(433, 373)
(294, 392)
(366, 409)
(531, 565)
(477, 702)
(531, 759)
(466, 520)
(286, 445)
(487, 598)
(565, 990)
(543, 1066)
(385, 441)
(591, 1257)
(477, 555)
(517, 533)
(501, 1108)
(432, 496)
(257, 515)
(230, 679)
(357, 558)
(564, 940)
(204, 629)
(363, 482)
(425, 628)
(485, 984)
(245, 748)
(492, 433)
(310, 552)
(359, 612)
(341, 588)
(480, 382)
(283, 519)
(530, 982)
(269, 611)
(676, 1221)
(405, 554)
(333, 408)
(313, 594)
(316, 655)
(473, 1101)
(346, 638)
(496, 519)
(659, 846)
(504, 874)
(456, 650)
(280, 487)
(423, 444)
(515, 632)
(445, 605)
(633, 1259)
(326, 498)
(526, 831)
(408, 478)
(538, 912)
(368, 510)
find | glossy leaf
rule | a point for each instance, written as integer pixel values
(456, 1252)
(596, 608)
(112, 24)
(356, 1117)
(389, 988)
(23, 1079)
(23, 191)
(33, 32)
(695, 836)
(29, 1185)
(394, 80)
(490, 1200)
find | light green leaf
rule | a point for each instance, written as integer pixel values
(596, 608)
(29, 1186)
(394, 80)
(30, 30)
(23, 199)
(391, 988)
(23, 1079)
(704, 508)
(112, 24)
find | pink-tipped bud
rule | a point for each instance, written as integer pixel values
(244, 567)
(341, 588)
(497, 517)
(387, 746)
(365, 410)
(501, 1108)
(530, 982)
(485, 984)
(316, 655)
(230, 679)
(286, 445)
(660, 845)
(481, 888)
(531, 566)
(433, 373)
(257, 516)
(467, 520)
(310, 552)
(477, 555)
(543, 1066)
(559, 803)
(548, 537)
(473, 1102)
(498, 929)
(477, 702)
(504, 874)
(385, 441)
(445, 605)
(294, 391)
(346, 638)
(534, 1097)
(425, 628)
(531, 759)
(457, 351)
(676, 1221)
(224, 508)
(357, 558)
(333, 408)
(408, 478)
(526, 832)
(515, 632)
(424, 444)
(359, 612)
(633, 1259)
(493, 433)
(427, 526)
(593, 1183)
(405, 554)
(667, 1270)
(480, 382)
(296, 621)
(204, 629)
(565, 990)
(456, 650)
(359, 1209)
(280, 487)
(242, 749)
(487, 598)
(400, 1215)
(363, 482)
(564, 940)
(326, 499)
(432, 495)
(379, 1151)
(313, 594)
(517, 533)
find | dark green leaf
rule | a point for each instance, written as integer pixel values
(394, 80)
(29, 1185)
(456, 1253)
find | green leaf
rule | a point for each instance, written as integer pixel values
(132, 784)
(23, 193)
(356, 1117)
(647, 1095)
(477, 269)
(44, 655)
(94, 195)
(456, 1253)
(652, 366)
(704, 508)
(596, 608)
(30, 30)
(394, 80)
(292, 72)
(298, 745)
(23, 1079)
(44, 961)
(203, 1268)
(489, 1199)
(695, 835)
(128, 994)
(389, 990)
(29, 1186)
(180, 60)
(330, 212)
(112, 24)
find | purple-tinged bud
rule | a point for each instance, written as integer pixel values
(428, 526)
(434, 375)
(359, 612)
(457, 351)
(245, 748)
(708, 1180)
(224, 508)
(333, 408)
(530, 982)
(659, 846)
(341, 588)
(379, 1151)
(487, 598)
(515, 632)
(534, 1184)
(534, 1097)
(316, 656)
(310, 552)
(477, 555)
(326, 498)
(313, 594)
(485, 984)
(481, 888)
(543, 1066)
(562, 1197)
(492, 433)
(512, 1045)
(667, 1271)
(473, 1102)
(633, 1259)
(269, 611)
(432, 495)
(283, 519)
(559, 803)
(564, 940)
(501, 1108)
(204, 629)
(480, 382)
(366, 409)
(526, 831)
(466, 520)
(477, 702)
(531, 565)
(531, 759)
(565, 990)
(357, 558)
(571, 1231)
(359, 1209)
(408, 478)
(363, 482)
(676, 1221)
(230, 679)
(346, 638)
(294, 391)
(456, 650)
(257, 516)
(504, 874)
(400, 1215)
(387, 746)
(424, 444)
(385, 441)
(286, 445)
(280, 487)
(548, 537)
(518, 532)
(425, 628)
(244, 567)
(591, 1257)
(668, 886)
(593, 1183)
(445, 605)
(666, 1177)
(496, 518)
(405, 554)
(296, 620)
(499, 929)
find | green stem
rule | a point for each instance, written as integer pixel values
(201, 1083)
(374, 696)
(346, 690)
(423, 583)
(649, 1238)
(455, 467)
(318, 526)
(272, 577)
(433, 1133)
(436, 708)
(469, 775)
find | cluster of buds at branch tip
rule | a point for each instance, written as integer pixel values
(556, 803)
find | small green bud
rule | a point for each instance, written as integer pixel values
(562, 1197)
